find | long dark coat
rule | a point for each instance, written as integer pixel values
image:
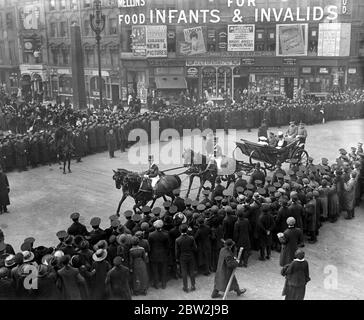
(292, 238)
(296, 211)
(159, 246)
(4, 190)
(117, 283)
(265, 224)
(101, 269)
(297, 275)
(203, 242)
(241, 233)
(47, 289)
(70, 283)
(225, 266)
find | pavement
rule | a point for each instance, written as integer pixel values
(42, 200)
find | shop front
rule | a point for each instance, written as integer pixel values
(136, 79)
(33, 81)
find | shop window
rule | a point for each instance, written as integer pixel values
(171, 39)
(211, 40)
(9, 21)
(313, 41)
(74, 4)
(222, 39)
(86, 27)
(114, 57)
(63, 4)
(361, 45)
(53, 29)
(65, 84)
(259, 40)
(55, 56)
(87, 3)
(2, 55)
(113, 26)
(209, 81)
(271, 40)
(90, 57)
(65, 56)
(94, 84)
(63, 29)
(129, 40)
(52, 5)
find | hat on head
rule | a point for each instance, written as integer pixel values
(167, 204)
(239, 189)
(26, 246)
(75, 216)
(158, 224)
(173, 209)
(201, 207)
(195, 203)
(144, 226)
(115, 223)
(47, 259)
(59, 254)
(28, 256)
(224, 201)
(61, 234)
(258, 181)
(146, 210)
(262, 191)
(249, 186)
(277, 184)
(99, 255)
(271, 189)
(291, 221)
(113, 217)
(248, 193)
(226, 193)
(31, 240)
(279, 175)
(188, 202)
(156, 211)
(205, 192)
(229, 243)
(181, 216)
(10, 261)
(136, 217)
(218, 198)
(95, 222)
(117, 261)
(176, 192)
(128, 214)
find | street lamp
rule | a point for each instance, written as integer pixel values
(97, 22)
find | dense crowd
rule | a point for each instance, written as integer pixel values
(184, 238)
(28, 130)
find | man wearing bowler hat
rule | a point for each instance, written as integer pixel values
(77, 228)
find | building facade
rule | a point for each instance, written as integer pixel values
(169, 53)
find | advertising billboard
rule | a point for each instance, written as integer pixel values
(334, 39)
(291, 39)
(241, 37)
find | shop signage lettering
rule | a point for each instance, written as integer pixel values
(213, 62)
(323, 71)
(306, 70)
(352, 70)
(247, 61)
(192, 72)
(289, 61)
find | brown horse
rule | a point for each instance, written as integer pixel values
(130, 183)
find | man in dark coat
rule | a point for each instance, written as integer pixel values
(117, 281)
(296, 210)
(218, 190)
(70, 280)
(111, 142)
(96, 234)
(4, 192)
(228, 223)
(241, 235)
(240, 182)
(290, 239)
(47, 289)
(258, 174)
(203, 242)
(225, 267)
(159, 251)
(297, 276)
(265, 226)
(178, 201)
(77, 228)
(185, 249)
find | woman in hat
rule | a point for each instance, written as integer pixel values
(100, 268)
(291, 238)
(297, 276)
(138, 268)
(225, 266)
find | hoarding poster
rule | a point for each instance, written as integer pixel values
(156, 41)
(334, 39)
(194, 42)
(241, 37)
(139, 40)
(292, 40)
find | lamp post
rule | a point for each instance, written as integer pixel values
(97, 22)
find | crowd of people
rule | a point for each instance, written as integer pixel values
(28, 130)
(186, 238)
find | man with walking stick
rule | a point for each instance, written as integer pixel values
(225, 279)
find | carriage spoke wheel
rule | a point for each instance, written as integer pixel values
(251, 157)
(302, 157)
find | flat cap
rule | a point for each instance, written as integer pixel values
(167, 204)
(279, 175)
(271, 189)
(249, 186)
(61, 234)
(75, 216)
(146, 209)
(201, 207)
(95, 221)
(218, 198)
(156, 211)
(188, 202)
(128, 214)
(30, 240)
(173, 209)
(115, 223)
(195, 203)
(277, 184)
(239, 189)
(205, 192)
(136, 217)
(113, 217)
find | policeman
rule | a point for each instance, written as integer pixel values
(77, 228)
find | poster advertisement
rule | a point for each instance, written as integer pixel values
(292, 40)
(139, 40)
(29, 17)
(241, 37)
(334, 39)
(194, 42)
(156, 40)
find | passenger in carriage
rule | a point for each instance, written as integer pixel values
(272, 139)
(281, 141)
(263, 141)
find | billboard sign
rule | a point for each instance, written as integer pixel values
(194, 42)
(292, 40)
(334, 39)
(241, 37)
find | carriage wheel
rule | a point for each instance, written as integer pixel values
(302, 157)
(251, 157)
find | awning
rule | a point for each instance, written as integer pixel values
(170, 82)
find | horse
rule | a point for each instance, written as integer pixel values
(66, 153)
(200, 167)
(131, 182)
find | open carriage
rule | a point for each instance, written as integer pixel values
(269, 156)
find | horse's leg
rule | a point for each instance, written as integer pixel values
(154, 200)
(192, 177)
(69, 164)
(64, 165)
(202, 182)
(120, 203)
(164, 198)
